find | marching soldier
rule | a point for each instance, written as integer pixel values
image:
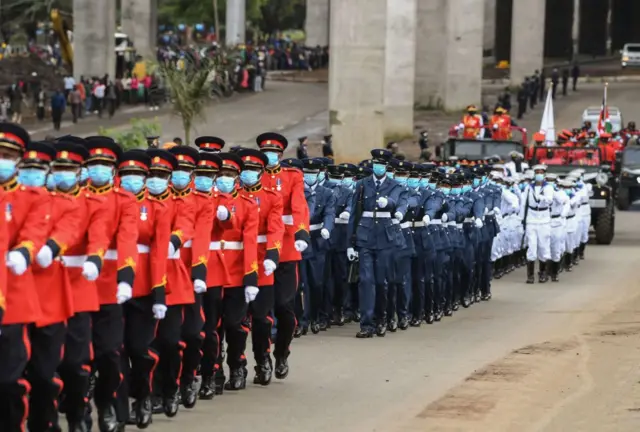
(288, 182)
(270, 233)
(559, 208)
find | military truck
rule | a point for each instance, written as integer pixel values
(629, 178)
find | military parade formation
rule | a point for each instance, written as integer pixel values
(131, 277)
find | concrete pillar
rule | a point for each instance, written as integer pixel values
(430, 53)
(140, 23)
(356, 77)
(316, 23)
(575, 29)
(236, 22)
(489, 39)
(527, 38)
(93, 38)
(400, 68)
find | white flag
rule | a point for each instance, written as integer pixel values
(547, 126)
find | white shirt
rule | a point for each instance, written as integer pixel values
(69, 83)
(536, 197)
(99, 91)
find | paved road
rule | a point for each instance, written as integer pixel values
(461, 374)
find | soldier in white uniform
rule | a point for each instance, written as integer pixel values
(516, 165)
(572, 239)
(559, 210)
(585, 191)
(502, 245)
(536, 214)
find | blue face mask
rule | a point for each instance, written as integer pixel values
(65, 180)
(522, 186)
(310, 179)
(389, 174)
(180, 179)
(379, 169)
(466, 188)
(402, 180)
(456, 191)
(157, 185)
(132, 183)
(51, 183)
(84, 174)
(7, 169)
(424, 183)
(484, 179)
(569, 192)
(539, 178)
(348, 182)
(476, 182)
(32, 177)
(203, 184)
(249, 178)
(321, 177)
(413, 183)
(100, 175)
(446, 191)
(273, 157)
(432, 185)
(333, 181)
(225, 184)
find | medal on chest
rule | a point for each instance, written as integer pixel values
(7, 212)
(233, 209)
(278, 184)
(143, 213)
(258, 202)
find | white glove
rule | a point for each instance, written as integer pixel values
(199, 286)
(497, 211)
(399, 216)
(159, 311)
(479, 223)
(382, 202)
(124, 292)
(172, 250)
(325, 233)
(426, 219)
(250, 293)
(269, 267)
(90, 271)
(301, 245)
(495, 126)
(345, 215)
(45, 256)
(16, 263)
(351, 254)
(444, 218)
(222, 213)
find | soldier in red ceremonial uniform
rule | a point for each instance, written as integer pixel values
(113, 271)
(270, 233)
(288, 183)
(54, 291)
(239, 247)
(472, 124)
(148, 302)
(91, 228)
(209, 272)
(210, 144)
(27, 210)
(181, 293)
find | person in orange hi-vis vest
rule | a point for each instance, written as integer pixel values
(169, 337)
(270, 234)
(26, 212)
(209, 272)
(240, 248)
(289, 184)
(606, 148)
(472, 124)
(113, 271)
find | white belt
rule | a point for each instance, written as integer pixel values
(226, 245)
(339, 221)
(370, 214)
(490, 213)
(418, 224)
(262, 239)
(468, 220)
(112, 254)
(458, 225)
(187, 244)
(451, 223)
(436, 222)
(315, 227)
(287, 219)
(395, 221)
(73, 261)
(405, 225)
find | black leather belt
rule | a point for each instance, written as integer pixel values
(572, 216)
(555, 216)
(539, 209)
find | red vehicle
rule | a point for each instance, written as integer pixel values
(519, 134)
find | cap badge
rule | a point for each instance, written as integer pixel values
(64, 154)
(99, 151)
(33, 154)
(131, 163)
(156, 159)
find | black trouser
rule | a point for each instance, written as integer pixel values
(285, 285)
(15, 349)
(192, 336)
(211, 353)
(522, 108)
(40, 113)
(74, 112)
(107, 335)
(575, 83)
(169, 346)
(235, 329)
(139, 359)
(75, 369)
(262, 323)
(337, 259)
(46, 355)
(56, 115)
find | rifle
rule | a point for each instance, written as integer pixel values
(353, 275)
(524, 220)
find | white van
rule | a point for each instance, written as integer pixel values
(630, 55)
(592, 114)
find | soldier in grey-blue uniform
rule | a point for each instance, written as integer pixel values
(377, 200)
(492, 199)
(443, 286)
(472, 225)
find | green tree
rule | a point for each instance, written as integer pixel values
(136, 137)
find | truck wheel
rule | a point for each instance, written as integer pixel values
(623, 200)
(604, 226)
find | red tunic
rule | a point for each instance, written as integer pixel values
(295, 212)
(472, 125)
(27, 212)
(178, 266)
(240, 245)
(270, 228)
(4, 238)
(120, 260)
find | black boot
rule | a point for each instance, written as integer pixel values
(297, 332)
(542, 274)
(171, 404)
(219, 379)
(189, 396)
(568, 265)
(107, 419)
(555, 269)
(264, 371)
(582, 248)
(497, 269)
(531, 268)
(237, 380)
(208, 388)
(403, 324)
(381, 329)
(574, 258)
(143, 412)
(393, 326)
(282, 368)
(315, 327)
